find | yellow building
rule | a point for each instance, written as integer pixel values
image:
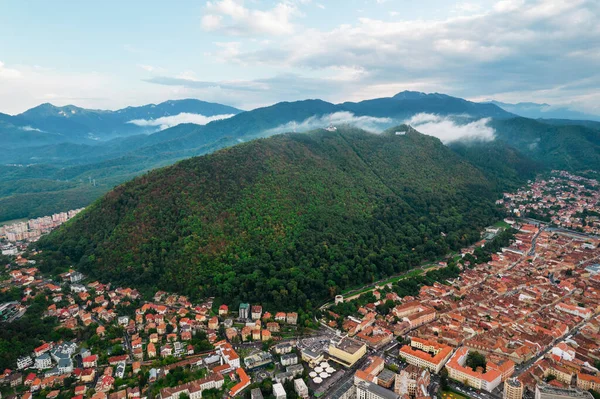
(587, 382)
(513, 389)
(347, 352)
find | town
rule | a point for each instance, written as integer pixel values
(516, 315)
(32, 229)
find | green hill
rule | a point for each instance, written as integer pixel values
(285, 220)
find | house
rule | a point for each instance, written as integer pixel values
(41, 349)
(266, 335)
(256, 312)
(151, 350)
(292, 318)
(273, 326)
(213, 323)
(90, 361)
(223, 310)
(280, 316)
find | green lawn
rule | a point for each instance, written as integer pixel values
(502, 223)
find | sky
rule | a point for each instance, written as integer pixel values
(112, 54)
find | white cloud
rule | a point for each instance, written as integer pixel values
(369, 123)
(484, 52)
(8, 73)
(31, 129)
(448, 129)
(174, 120)
(232, 17)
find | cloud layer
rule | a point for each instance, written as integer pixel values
(174, 120)
(450, 128)
(368, 123)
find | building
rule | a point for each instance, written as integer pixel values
(544, 391)
(258, 360)
(513, 389)
(369, 372)
(412, 381)
(244, 311)
(256, 312)
(311, 357)
(240, 386)
(278, 391)
(575, 310)
(369, 390)
(301, 388)
(288, 359)
(282, 348)
(228, 354)
(256, 394)
(457, 370)
(43, 361)
(347, 352)
(426, 354)
(223, 310)
(587, 382)
(194, 388)
(24, 362)
(291, 318)
(387, 377)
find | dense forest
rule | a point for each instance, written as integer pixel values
(286, 221)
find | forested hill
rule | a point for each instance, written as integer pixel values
(289, 220)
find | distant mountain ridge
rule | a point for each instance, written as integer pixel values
(545, 111)
(57, 163)
(80, 125)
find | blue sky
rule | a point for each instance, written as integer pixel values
(109, 54)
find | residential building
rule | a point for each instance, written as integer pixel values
(426, 354)
(43, 362)
(513, 389)
(544, 391)
(24, 362)
(278, 391)
(301, 388)
(194, 388)
(256, 312)
(256, 394)
(457, 370)
(288, 359)
(587, 382)
(244, 311)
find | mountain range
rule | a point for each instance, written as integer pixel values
(49, 124)
(545, 111)
(50, 163)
